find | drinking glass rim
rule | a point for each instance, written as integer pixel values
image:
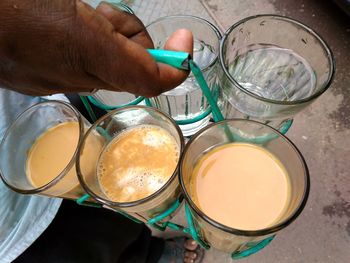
(211, 25)
(239, 232)
(147, 198)
(127, 8)
(67, 168)
(323, 43)
(98, 103)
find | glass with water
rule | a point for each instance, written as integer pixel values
(273, 67)
(186, 103)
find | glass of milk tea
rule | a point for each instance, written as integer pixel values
(38, 150)
(241, 190)
(273, 67)
(186, 103)
(135, 168)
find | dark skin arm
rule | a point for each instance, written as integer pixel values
(61, 46)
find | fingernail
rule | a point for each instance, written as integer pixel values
(193, 242)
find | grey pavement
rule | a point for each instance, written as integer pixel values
(321, 132)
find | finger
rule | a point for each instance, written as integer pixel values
(129, 65)
(180, 40)
(188, 260)
(126, 24)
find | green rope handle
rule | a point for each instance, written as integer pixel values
(106, 107)
(256, 248)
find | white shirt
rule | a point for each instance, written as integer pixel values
(22, 218)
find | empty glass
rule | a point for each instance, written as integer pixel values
(273, 67)
(186, 103)
(109, 127)
(19, 139)
(216, 234)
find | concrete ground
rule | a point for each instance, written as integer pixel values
(321, 132)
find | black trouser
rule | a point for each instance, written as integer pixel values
(87, 235)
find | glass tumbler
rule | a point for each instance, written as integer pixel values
(227, 238)
(105, 130)
(273, 67)
(110, 100)
(186, 104)
(106, 99)
(19, 139)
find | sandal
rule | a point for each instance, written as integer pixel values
(174, 251)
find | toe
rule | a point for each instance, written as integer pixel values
(188, 260)
(191, 245)
(190, 255)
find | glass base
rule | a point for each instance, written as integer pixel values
(192, 128)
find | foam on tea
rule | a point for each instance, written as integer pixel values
(137, 163)
(241, 185)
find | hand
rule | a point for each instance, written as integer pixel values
(62, 46)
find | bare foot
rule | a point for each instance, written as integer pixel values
(181, 249)
(190, 254)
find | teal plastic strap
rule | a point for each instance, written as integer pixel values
(176, 59)
(105, 107)
(156, 221)
(252, 250)
(88, 108)
(166, 213)
(193, 230)
(148, 102)
(217, 115)
(286, 126)
(82, 201)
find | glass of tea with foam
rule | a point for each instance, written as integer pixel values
(135, 170)
(241, 185)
